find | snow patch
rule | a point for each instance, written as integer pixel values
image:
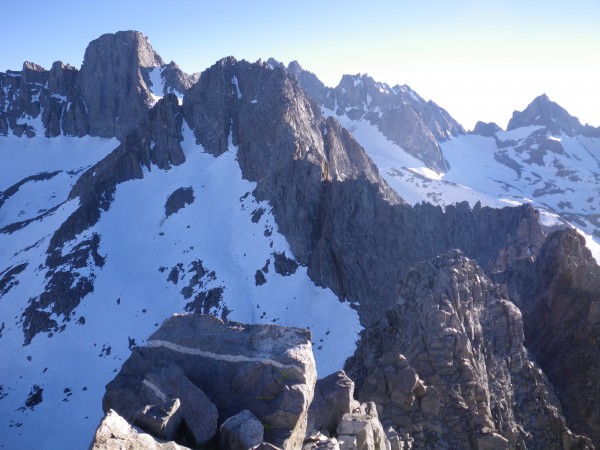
(157, 84)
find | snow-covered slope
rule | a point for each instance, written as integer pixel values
(220, 253)
(556, 173)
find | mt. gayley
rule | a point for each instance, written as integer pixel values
(453, 275)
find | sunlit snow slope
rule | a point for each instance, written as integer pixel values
(154, 266)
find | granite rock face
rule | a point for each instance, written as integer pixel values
(486, 129)
(559, 294)
(266, 369)
(107, 97)
(159, 398)
(114, 62)
(341, 219)
(398, 112)
(447, 366)
(334, 397)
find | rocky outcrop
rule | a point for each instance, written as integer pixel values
(559, 294)
(544, 112)
(486, 129)
(114, 433)
(241, 432)
(111, 81)
(159, 398)
(364, 428)
(334, 397)
(447, 366)
(266, 369)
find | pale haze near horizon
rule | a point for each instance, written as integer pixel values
(479, 60)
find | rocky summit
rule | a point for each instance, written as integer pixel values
(280, 231)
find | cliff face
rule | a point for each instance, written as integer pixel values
(559, 295)
(107, 97)
(448, 365)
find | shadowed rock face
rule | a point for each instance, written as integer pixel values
(560, 300)
(447, 365)
(341, 219)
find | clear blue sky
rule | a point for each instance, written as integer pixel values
(478, 59)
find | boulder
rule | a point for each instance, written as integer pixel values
(162, 421)
(114, 433)
(334, 397)
(365, 427)
(241, 432)
(267, 369)
(153, 382)
(320, 442)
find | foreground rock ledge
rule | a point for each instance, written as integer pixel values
(267, 369)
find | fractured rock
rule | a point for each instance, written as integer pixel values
(162, 421)
(267, 369)
(334, 397)
(241, 432)
(144, 382)
(114, 433)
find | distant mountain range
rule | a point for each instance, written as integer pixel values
(452, 274)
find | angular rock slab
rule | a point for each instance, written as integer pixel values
(334, 397)
(267, 369)
(114, 433)
(144, 382)
(241, 432)
(162, 421)
(365, 427)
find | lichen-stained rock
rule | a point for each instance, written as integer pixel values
(447, 367)
(267, 369)
(114, 433)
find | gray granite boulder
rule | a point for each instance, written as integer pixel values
(365, 426)
(114, 433)
(159, 383)
(334, 397)
(162, 421)
(267, 369)
(241, 432)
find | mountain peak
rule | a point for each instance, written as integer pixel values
(112, 81)
(132, 42)
(544, 112)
